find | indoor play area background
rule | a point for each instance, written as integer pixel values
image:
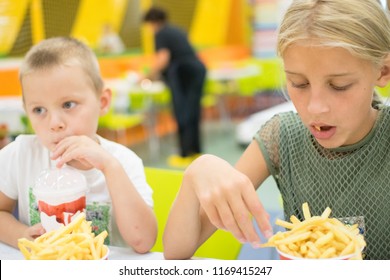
(244, 87)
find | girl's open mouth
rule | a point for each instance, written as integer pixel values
(322, 128)
(322, 132)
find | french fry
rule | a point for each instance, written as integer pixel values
(294, 219)
(306, 211)
(284, 224)
(326, 213)
(317, 237)
(75, 241)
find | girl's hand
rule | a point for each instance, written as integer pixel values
(81, 152)
(228, 198)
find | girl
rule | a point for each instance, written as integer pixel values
(335, 151)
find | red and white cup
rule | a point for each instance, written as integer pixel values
(105, 257)
(285, 256)
(60, 195)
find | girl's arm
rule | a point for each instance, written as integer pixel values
(214, 195)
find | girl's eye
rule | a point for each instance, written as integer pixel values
(69, 105)
(39, 110)
(299, 85)
(339, 88)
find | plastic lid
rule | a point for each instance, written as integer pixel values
(60, 181)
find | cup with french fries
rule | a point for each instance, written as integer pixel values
(317, 237)
(75, 241)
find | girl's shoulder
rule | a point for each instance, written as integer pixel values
(291, 116)
(281, 123)
(385, 109)
(290, 121)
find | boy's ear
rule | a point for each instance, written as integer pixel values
(384, 78)
(105, 101)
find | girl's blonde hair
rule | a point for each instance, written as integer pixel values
(62, 51)
(360, 26)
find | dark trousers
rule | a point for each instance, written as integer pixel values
(186, 81)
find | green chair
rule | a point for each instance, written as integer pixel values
(165, 184)
(140, 100)
(118, 123)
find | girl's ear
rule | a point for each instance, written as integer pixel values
(105, 101)
(384, 78)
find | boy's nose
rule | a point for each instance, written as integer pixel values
(56, 122)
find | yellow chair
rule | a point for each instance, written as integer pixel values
(271, 75)
(165, 184)
(384, 92)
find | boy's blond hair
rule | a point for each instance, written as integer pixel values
(360, 26)
(62, 51)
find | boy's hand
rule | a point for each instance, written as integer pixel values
(81, 152)
(34, 231)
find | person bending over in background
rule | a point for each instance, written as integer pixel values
(185, 75)
(334, 152)
(63, 96)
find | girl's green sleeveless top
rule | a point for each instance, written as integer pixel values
(354, 181)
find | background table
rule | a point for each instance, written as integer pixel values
(126, 89)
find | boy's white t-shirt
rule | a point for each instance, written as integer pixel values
(23, 160)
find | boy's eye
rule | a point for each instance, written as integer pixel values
(69, 104)
(39, 110)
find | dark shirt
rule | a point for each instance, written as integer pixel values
(175, 40)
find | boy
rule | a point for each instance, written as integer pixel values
(63, 96)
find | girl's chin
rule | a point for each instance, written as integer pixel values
(327, 144)
(332, 144)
